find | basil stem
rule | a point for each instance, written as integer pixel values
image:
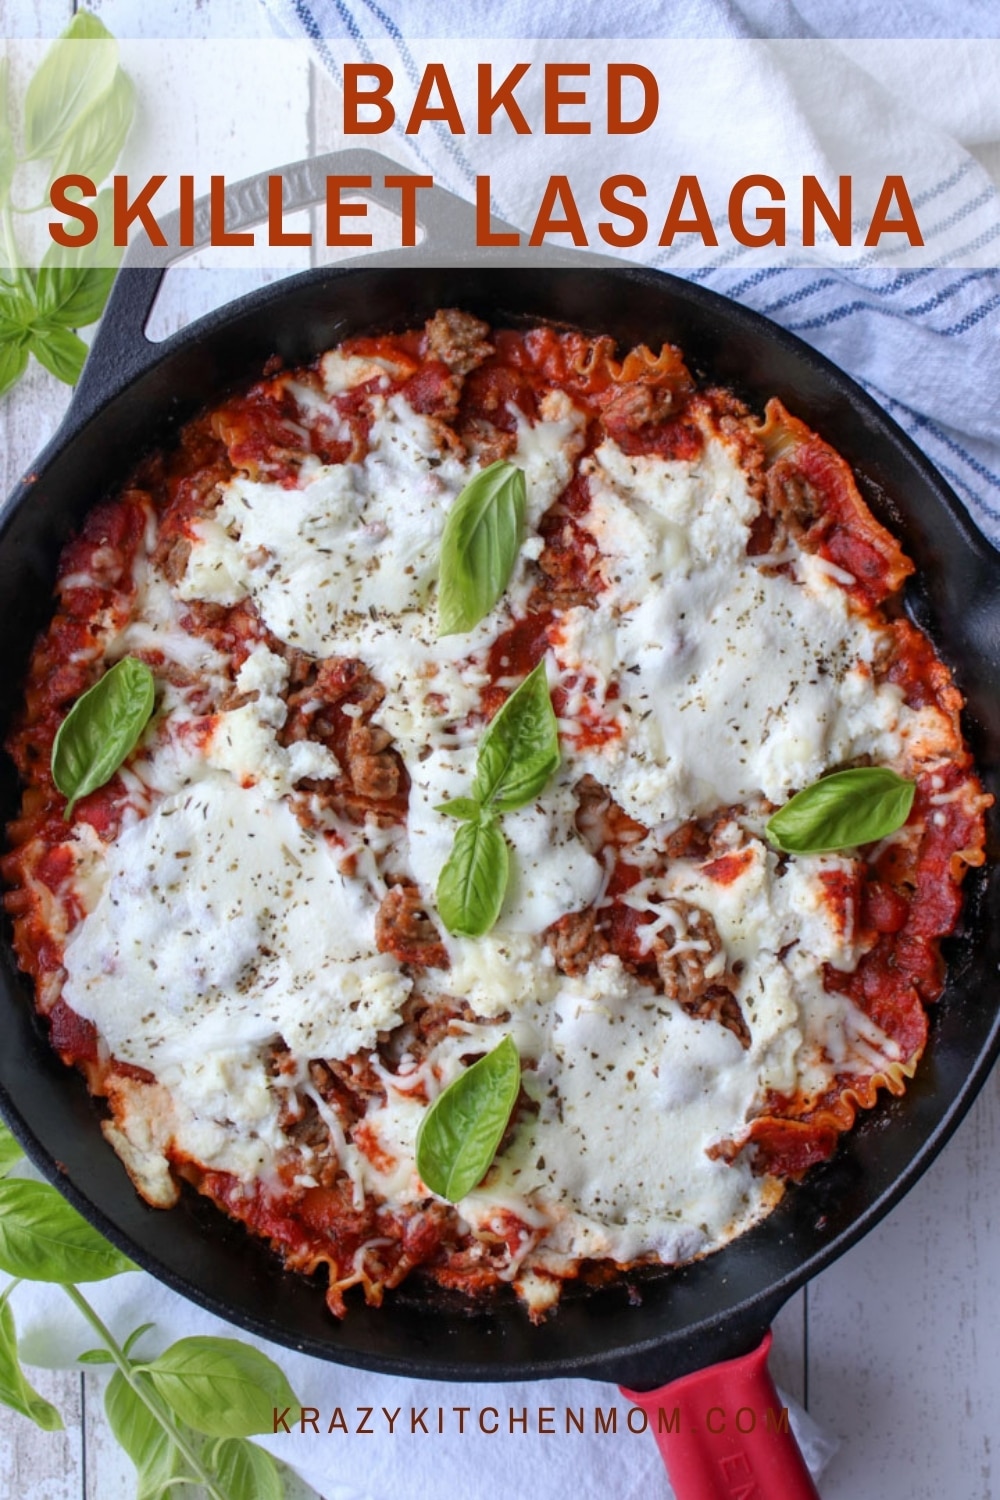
(479, 547)
(161, 1410)
(460, 1133)
(517, 755)
(842, 811)
(157, 1409)
(102, 729)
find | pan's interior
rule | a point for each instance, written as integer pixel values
(657, 1326)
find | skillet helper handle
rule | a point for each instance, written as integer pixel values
(121, 350)
(732, 1436)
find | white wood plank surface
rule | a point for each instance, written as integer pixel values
(904, 1334)
(896, 1348)
(46, 1466)
(85, 1462)
(38, 1465)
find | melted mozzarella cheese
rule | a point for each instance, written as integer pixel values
(218, 924)
(357, 538)
(224, 924)
(243, 740)
(551, 871)
(616, 1072)
(730, 683)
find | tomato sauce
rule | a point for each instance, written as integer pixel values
(906, 898)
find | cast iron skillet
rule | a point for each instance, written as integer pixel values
(132, 397)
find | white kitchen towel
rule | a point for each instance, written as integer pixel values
(736, 97)
(925, 344)
(412, 1459)
(921, 338)
(585, 18)
(923, 341)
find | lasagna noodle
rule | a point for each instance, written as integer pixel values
(236, 939)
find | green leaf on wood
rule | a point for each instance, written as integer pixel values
(245, 1471)
(66, 83)
(158, 1461)
(15, 1389)
(60, 351)
(220, 1386)
(92, 147)
(42, 1238)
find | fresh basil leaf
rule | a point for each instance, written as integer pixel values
(465, 809)
(15, 1389)
(93, 145)
(842, 811)
(101, 729)
(74, 281)
(220, 1386)
(158, 1461)
(73, 295)
(472, 883)
(95, 1357)
(10, 1150)
(43, 1239)
(135, 1336)
(18, 310)
(245, 1471)
(479, 547)
(67, 81)
(101, 254)
(13, 358)
(520, 749)
(8, 155)
(60, 351)
(12, 331)
(460, 1133)
(517, 755)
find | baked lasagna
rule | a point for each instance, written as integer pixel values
(239, 937)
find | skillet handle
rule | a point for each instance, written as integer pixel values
(121, 351)
(723, 1432)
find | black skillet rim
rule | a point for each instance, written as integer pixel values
(434, 1342)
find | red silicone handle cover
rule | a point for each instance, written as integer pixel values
(724, 1434)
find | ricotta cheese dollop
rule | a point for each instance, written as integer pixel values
(238, 913)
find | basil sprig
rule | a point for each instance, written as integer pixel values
(101, 729)
(183, 1416)
(77, 112)
(842, 811)
(517, 755)
(479, 547)
(460, 1133)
